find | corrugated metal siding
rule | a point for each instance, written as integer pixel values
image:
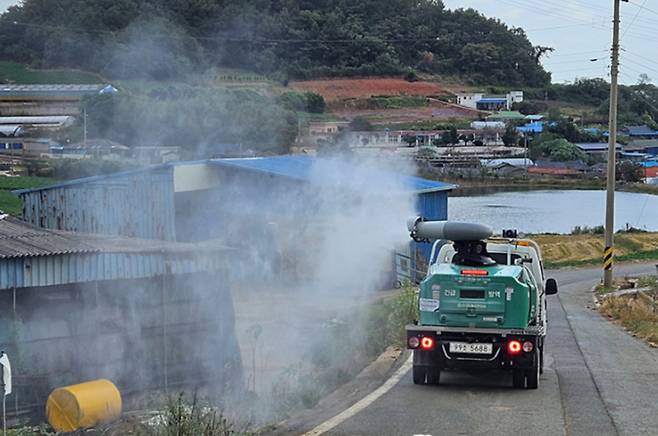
(81, 268)
(431, 206)
(139, 205)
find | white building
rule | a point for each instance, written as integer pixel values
(481, 101)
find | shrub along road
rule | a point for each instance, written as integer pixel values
(598, 380)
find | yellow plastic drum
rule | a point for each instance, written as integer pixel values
(83, 406)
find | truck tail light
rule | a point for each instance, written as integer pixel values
(528, 346)
(514, 347)
(413, 342)
(426, 343)
(475, 272)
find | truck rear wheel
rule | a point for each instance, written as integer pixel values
(433, 376)
(419, 374)
(518, 378)
(532, 374)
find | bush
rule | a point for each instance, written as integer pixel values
(360, 124)
(411, 75)
(303, 102)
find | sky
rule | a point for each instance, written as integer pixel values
(4, 4)
(578, 30)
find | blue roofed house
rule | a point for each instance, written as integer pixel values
(493, 103)
(643, 131)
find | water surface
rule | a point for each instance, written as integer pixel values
(554, 211)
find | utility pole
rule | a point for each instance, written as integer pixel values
(84, 117)
(608, 254)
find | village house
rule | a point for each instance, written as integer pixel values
(492, 103)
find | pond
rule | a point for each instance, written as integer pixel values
(554, 211)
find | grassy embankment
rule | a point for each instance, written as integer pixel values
(11, 204)
(636, 312)
(13, 72)
(522, 183)
(587, 249)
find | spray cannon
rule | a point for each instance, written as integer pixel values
(428, 231)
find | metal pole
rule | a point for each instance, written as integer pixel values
(84, 116)
(525, 137)
(608, 255)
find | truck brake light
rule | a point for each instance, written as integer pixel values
(475, 272)
(514, 347)
(426, 343)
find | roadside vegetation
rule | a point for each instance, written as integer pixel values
(585, 247)
(636, 312)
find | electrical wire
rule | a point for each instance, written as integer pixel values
(633, 21)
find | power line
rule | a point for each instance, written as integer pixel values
(634, 19)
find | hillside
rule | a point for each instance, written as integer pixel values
(283, 39)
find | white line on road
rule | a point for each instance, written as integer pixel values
(364, 402)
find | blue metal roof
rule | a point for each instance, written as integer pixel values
(641, 131)
(300, 168)
(534, 127)
(594, 146)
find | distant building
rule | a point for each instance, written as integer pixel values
(646, 146)
(481, 101)
(650, 169)
(597, 148)
(481, 125)
(156, 155)
(640, 132)
(99, 148)
(533, 127)
(47, 100)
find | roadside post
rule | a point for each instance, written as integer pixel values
(6, 388)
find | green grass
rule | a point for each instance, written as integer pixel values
(12, 72)
(397, 102)
(631, 257)
(11, 204)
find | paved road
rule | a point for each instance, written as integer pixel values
(598, 381)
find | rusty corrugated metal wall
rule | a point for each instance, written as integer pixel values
(137, 204)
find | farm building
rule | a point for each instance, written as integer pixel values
(256, 198)
(47, 100)
(596, 148)
(146, 314)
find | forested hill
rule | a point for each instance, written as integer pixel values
(283, 38)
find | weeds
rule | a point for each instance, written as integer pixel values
(183, 418)
(634, 315)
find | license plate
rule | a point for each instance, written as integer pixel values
(465, 348)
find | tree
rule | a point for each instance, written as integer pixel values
(360, 124)
(628, 171)
(511, 136)
(561, 150)
(168, 38)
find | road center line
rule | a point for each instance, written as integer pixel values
(364, 402)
